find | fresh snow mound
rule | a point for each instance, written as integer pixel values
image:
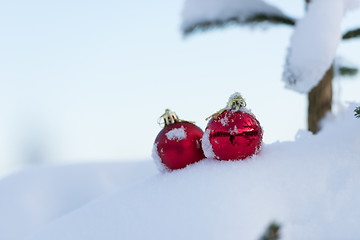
(158, 162)
(310, 186)
(199, 11)
(314, 43)
(33, 198)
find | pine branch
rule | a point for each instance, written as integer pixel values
(272, 232)
(357, 112)
(344, 68)
(258, 18)
(274, 19)
(346, 71)
(355, 33)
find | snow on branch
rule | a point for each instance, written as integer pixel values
(208, 14)
(314, 44)
(259, 18)
(355, 33)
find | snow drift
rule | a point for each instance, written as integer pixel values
(33, 198)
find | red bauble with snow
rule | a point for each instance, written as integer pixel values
(178, 144)
(233, 133)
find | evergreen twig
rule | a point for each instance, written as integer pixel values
(346, 71)
(357, 112)
(355, 33)
(272, 232)
(258, 18)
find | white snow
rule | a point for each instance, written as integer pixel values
(176, 134)
(310, 186)
(199, 11)
(155, 155)
(234, 96)
(314, 43)
(31, 199)
(352, 4)
(206, 145)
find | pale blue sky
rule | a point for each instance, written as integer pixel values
(87, 80)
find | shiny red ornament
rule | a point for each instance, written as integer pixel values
(232, 134)
(178, 144)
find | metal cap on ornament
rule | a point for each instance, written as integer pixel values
(168, 118)
(236, 102)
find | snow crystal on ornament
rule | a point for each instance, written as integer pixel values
(235, 95)
(224, 121)
(235, 130)
(247, 110)
(206, 145)
(176, 134)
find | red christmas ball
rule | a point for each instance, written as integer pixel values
(232, 135)
(177, 145)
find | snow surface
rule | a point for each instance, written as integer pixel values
(199, 11)
(176, 134)
(33, 198)
(158, 162)
(314, 43)
(310, 186)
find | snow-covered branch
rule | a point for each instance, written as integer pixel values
(314, 44)
(204, 15)
(260, 18)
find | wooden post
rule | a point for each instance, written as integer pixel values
(320, 99)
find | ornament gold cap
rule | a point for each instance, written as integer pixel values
(236, 101)
(168, 118)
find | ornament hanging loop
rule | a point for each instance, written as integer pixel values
(215, 114)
